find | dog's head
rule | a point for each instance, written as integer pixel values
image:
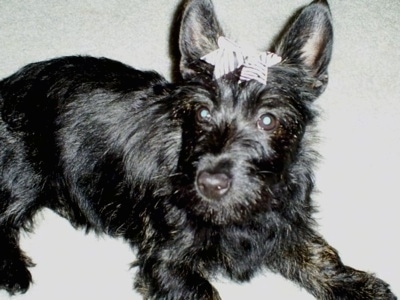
(244, 140)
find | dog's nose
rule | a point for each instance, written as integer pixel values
(213, 186)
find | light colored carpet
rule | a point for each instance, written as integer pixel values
(358, 178)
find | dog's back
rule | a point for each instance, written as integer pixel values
(62, 123)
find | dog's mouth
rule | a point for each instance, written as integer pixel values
(227, 188)
(222, 198)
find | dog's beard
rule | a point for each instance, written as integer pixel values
(250, 194)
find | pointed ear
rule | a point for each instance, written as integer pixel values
(308, 43)
(199, 34)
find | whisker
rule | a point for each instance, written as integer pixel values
(169, 176)
(266, 172)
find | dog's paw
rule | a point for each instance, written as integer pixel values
(377, 289)
(215, 295)
(364, 286)
(14, 276)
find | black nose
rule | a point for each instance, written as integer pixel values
(213, 186)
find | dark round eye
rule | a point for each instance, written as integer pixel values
(267, 122)
(203, 114)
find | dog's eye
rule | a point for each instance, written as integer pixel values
(267, 122)
(203, 114)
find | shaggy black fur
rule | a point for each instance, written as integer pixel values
(189, 173)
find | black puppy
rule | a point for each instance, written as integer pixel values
(210, 176)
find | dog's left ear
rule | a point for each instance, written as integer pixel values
(199, 34)
(308, 43)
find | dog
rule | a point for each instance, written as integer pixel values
(210, 175)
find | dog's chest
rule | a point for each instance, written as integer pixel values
(238, 252)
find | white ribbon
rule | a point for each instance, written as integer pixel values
(229, 57)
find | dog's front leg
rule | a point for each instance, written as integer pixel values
(317, 267)
(161, 280)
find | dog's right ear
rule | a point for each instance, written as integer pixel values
(199, 34)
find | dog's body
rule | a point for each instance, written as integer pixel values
(202, 178)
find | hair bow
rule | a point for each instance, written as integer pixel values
(229, 57)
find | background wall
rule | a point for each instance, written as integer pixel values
(358, 178)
